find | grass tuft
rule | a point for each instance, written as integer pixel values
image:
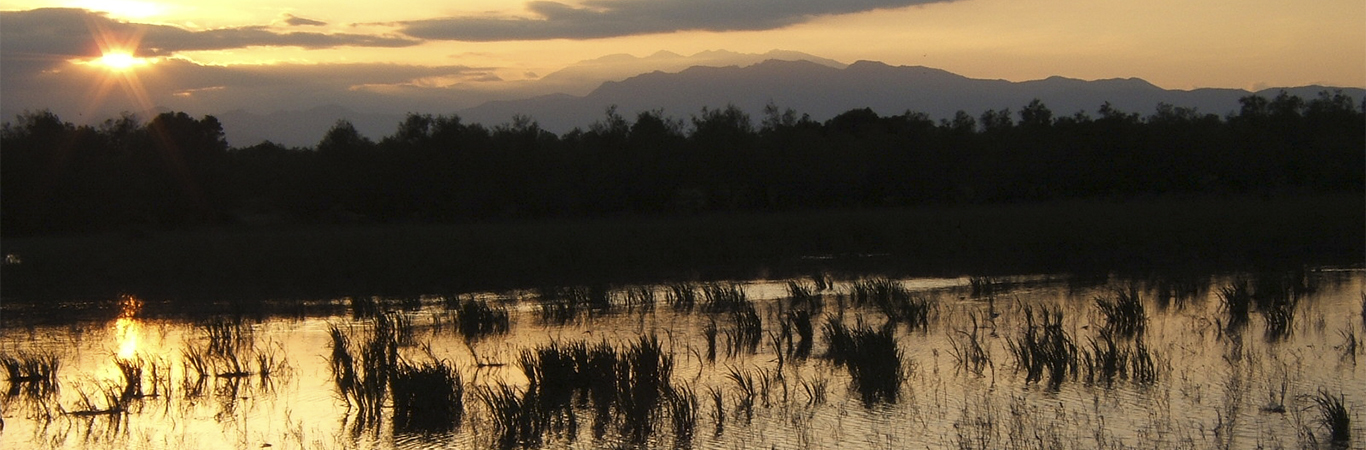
(477, 319)
(1236, 301)
(682, 297)
(34, 374)
(1124, 314)
(1044, 348)
(894, 301)
(870, 355)
(968, 351)
(1334, 417)
(427, 397)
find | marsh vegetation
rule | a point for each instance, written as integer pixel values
(1233, 361)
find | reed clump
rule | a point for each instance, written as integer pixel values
(983, 286)
(640, 298)
(1277, 298)
(516, 420)
(1334, 417)
(870, 355)
(899, 304)
(644, 379)
(427, 397)
(1235, 299)
(1043, 348)
(1123, 312)
(968, 350)
(34, 374)
(362, 371)
(748, 331)
(568, 304)
(799, 320)
(682, 297)
(629, 387)
(683, 412)
(1109, 359)
(804, 295)
(719, 298)
(476, 319)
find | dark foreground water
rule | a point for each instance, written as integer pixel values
(1019, 362)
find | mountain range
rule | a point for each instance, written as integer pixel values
(682, 86)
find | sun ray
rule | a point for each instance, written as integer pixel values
(118, 64)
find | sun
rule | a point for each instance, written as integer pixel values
(120, 61)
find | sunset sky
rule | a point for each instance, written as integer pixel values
(205, 57)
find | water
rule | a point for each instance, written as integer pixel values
(1216, 385)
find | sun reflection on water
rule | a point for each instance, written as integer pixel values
(127, 328)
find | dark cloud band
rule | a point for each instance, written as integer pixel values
(612, 18)
(66, 32)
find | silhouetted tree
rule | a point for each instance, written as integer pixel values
(177, 171)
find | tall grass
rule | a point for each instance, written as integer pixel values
(1043, 348)
(803, 295)
(748, 331)
(362, 373)
(683, 408)
(427, 397)
(1334, 416)
(476, 319)
(1123, 312)
(899, 304)
(682, 297)
(644, 378)
(629, 387)
(722, 298)
(562, 305)
(966, 347)
(799, 320)
(871, 357)
(34, 374)
(1108, 360)
(982, 286)
(515, 417)
(1277, 298)
(1236, 300)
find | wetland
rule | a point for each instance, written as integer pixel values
(1225, 360)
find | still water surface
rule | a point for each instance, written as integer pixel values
(1211, 381)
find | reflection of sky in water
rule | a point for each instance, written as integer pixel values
(1209, 378)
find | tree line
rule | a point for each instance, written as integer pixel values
(178, 171)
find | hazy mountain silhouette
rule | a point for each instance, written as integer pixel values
(824, 91)
(583, 77)
(304, 127)
(680, 86)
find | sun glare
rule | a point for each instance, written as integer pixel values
(120, 61)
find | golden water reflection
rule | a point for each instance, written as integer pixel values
(128, 328)
(1207, 376)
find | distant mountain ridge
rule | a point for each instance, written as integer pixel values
(807, 84)
(824, 92)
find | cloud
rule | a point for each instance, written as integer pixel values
(297, 21)
(75, 89)
(612, 18)
(63, 33)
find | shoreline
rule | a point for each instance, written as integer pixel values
(1165, 234)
